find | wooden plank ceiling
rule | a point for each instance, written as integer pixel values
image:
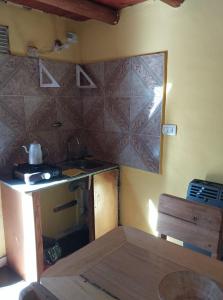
(107, 11)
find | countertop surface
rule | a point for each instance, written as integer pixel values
(125, 264)
(20, 186)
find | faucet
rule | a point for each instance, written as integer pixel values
(70, 141)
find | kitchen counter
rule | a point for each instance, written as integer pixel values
(21, 187)
(29, 209)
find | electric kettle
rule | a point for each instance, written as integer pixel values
(35, 153)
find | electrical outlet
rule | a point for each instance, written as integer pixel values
(169, 129)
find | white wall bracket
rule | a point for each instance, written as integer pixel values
(79, 72)
(43, 71)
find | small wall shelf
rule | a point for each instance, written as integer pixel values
(44, 72)
(80, 72)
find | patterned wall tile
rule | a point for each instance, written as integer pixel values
(93, 113)
(95, 143)
(114, 144)
(7, 138)
(147, 151)
(12, 128)
(10, 148)
(9, 66)
(12, 112)
(118, 79)
(40, 113)
(29, 77)
(128, 156)
(145, 116)
(133, 96)
(155, 63)
(139, 89)
(12, 82)
(148, 77)
(70, 112)
(119, 121)
(21, 77)
(107, 146)
(117, 114)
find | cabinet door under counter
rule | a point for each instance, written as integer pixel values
(23, 234)
(73, 213)
(105, 187)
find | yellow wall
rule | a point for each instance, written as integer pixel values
(193, 37)
(38, 29)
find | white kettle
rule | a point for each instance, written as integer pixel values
(35, 153)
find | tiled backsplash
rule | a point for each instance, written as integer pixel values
(27, 111)
(122, 117)
(119, 121)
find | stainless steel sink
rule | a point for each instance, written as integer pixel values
(83, 164)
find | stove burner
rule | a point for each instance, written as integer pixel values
(32, 174)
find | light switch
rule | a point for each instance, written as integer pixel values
(169, 129)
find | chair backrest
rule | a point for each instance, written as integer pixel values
(191, 222)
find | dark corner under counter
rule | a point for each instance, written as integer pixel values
(22, 214)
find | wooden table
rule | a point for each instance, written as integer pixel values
(125, 264)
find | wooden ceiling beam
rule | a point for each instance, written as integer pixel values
(119, 3)
(74, 8)
(174, 3)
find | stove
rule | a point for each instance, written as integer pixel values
(32, 174)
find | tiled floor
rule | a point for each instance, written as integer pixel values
(10, 284)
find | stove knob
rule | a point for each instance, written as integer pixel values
(46, 176)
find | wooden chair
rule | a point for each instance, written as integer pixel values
(191, 222)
